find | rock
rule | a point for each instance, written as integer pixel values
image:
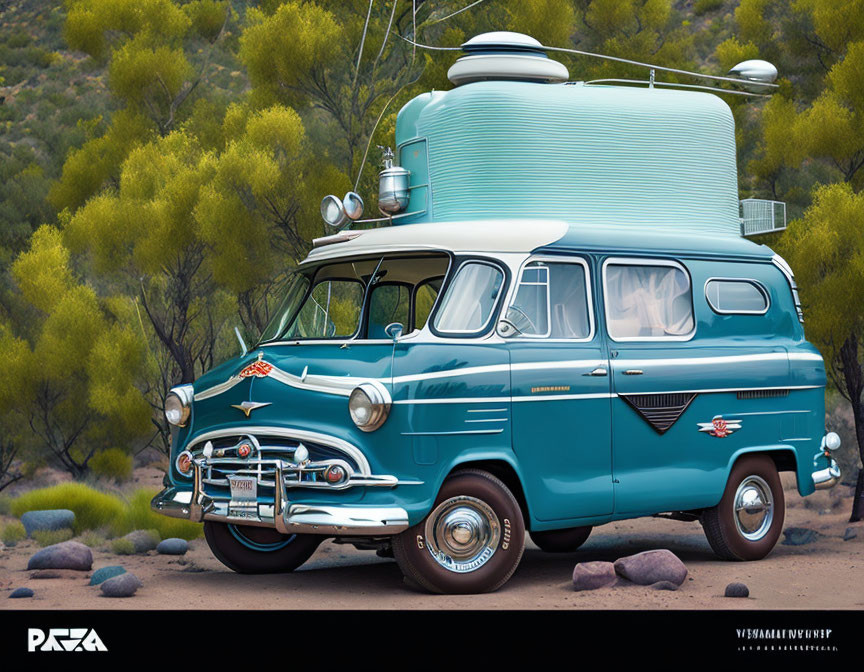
(850, 533)
(593, 575)
(65, 555)
(55, 574)
(651, 567)
(142, 540)
(21, 592)
(664, 585)
(105, 573)
(52, 519)
(173, 547)
(737, 590)
(123, 585)
(798, 536)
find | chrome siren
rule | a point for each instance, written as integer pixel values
(505, 55)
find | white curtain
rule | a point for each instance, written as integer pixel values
(648, 301)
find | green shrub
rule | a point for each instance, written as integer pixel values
(138, 515)
(701, 7)
(13, 533)
(5, 505)
(51, 537)
(91, 538)
(93, 509)
(122, 547)
(113, 464)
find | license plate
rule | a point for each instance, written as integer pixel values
(244, 489)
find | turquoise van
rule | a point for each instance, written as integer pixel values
(562, 326)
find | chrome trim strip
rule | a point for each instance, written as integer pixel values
(722, 359)
(456, 433)
(289, 433)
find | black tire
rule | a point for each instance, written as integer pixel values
(727, 537)
(234, 546)
(470, 496)
(561, 541)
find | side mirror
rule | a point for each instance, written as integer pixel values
(394, 330)
(506, 328)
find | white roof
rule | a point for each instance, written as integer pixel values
(507, 235)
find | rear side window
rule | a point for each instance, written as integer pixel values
(745, 297)
(551, 301)
(647, 300)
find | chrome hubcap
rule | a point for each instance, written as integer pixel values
(462, 534)
(754, 508)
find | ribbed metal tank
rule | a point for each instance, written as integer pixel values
(591, 155)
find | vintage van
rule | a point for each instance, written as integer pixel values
(562, 328)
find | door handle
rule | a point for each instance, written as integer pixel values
(599, 371)
(633, 372)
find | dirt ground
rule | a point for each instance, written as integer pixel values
(825, 574)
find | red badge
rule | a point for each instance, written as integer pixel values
(721, 430)
(244, 449)
(259, 369)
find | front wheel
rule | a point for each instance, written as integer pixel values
(248, 549)
(747, 522)
(471, 541)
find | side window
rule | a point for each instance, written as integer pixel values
(746, 297)
(470, 299)
(551, 301)
(388, 304)
(331, 311)
(647, 301)
(424, 300)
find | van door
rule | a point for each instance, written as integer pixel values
(560, 391)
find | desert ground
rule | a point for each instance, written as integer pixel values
(824, 574)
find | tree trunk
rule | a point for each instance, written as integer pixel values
(858, 501)
(854, 379)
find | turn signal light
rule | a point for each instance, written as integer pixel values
(334, 474)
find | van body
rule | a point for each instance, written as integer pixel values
(566, 329)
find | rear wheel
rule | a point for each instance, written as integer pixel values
(561, 541)
(471, 541)
(248, 549)
(747, 522)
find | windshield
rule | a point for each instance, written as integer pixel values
(343, 300)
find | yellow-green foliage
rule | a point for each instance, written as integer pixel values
(51, 537)
(122, 547)
(93, 509)
(13, 533)
(91, 538)
(137, 515)
(113, 464)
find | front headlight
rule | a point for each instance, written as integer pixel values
(369, 405)
(178, 405)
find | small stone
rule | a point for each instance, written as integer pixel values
(737, 590)
(664, 585)
(850, 533)
(21, 592)
(650, 567)
(798, 536)
(51, 519)
(65, 555)
(143, 540)
(593, 575)
(105, 573)
(173, 547)
(123, 585)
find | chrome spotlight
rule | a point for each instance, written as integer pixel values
(755, 71)
(333, 211)
(353, 205)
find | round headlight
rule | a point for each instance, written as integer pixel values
(832, 441)
(184, 463)
(177, 405)
(369, 405)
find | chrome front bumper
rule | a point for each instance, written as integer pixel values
(286, 517)
(828, 477)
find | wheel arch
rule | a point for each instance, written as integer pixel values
(785, 458)
(503, 470)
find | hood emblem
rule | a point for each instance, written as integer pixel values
(720, 427)
(248, 406)
(259, 369)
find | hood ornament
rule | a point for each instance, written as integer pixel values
(259, 368)
(248, 406)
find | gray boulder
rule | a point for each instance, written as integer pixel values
(799, 536)
(850, 533)
(65, 555)
(173, 547)
(123, 585)
(20, 592)
(143, 540)
(651, 567)
(664, 585)
(593, 575)
(105, 573)
(52, 519)
(737, 590)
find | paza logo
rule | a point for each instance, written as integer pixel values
(64, 639)
(720, 427)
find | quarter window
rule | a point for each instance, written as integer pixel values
(645, 301)
(551, 301)
(736, 296)
(470, 299)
